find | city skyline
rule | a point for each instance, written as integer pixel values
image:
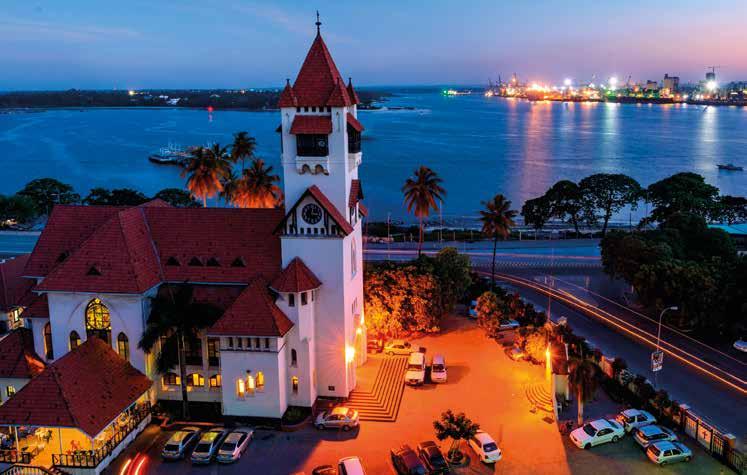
(247, 44)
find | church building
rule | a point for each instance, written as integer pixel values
(288, 282)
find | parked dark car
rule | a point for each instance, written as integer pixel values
(324, 470)
(432, 457)
(406, 461)
(375, 345)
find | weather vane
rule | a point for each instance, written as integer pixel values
(318, 23)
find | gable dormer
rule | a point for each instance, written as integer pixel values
(314, 215)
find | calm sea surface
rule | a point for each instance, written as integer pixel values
(480, 146)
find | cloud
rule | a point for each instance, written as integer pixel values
(14, 28)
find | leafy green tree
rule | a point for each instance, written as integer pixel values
(681, 193)
(730, 209)
(115, 197)
(422, 192)
(452, 270)
(535, 344)
(176, 320)
(457, 427)
(243, 148)
(537, 212)
(497, 220)
(489, 313)
(567, 203)
(46, 192)
(604, 194)
(623, 253)
(582, 378)
(18, 208)
(177, 197)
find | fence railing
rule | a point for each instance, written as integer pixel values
(26, 470)
(12, 456)
(92, 458)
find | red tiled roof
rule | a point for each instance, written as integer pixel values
(85, 389)
(363, 210)
(351, 92)
(140, 247)
(13, 287)
(318, 81)
(288, 97)
(17, 356)
(38, 307)
(254, 313)
(311, 124)
(353, 122)
(68, 226)
(220, 296)
(356, 193)
(296, 277)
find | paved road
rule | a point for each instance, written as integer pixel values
(723, 404)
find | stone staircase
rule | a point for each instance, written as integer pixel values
(381, 404)
(539, 396)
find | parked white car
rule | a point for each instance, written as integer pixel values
(415, 374)
(652, 433)
(234, 445)
(350, 466)
(664, 453)
(438, 369)
(635, 418)
(400, 347)
(597, 432)
(485, 447)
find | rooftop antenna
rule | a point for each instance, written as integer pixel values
(318, 23)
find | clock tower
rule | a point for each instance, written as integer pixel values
(321, 155)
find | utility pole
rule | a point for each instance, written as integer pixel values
(657, 358)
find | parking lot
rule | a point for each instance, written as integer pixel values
(483, 383)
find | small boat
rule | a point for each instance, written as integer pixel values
(730, 167)
(170, 155)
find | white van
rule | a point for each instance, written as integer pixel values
(438, 369)
(350, 466)
(415, 374)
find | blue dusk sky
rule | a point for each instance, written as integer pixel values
(203, 44)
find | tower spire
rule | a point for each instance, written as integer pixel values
(318, 23)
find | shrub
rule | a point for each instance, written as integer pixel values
(536, 345)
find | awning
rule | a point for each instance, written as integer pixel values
(353, 122)
(311, 124)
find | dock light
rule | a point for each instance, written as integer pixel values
(711, 85)
(568, 82)
(131, 92)
(613, 81)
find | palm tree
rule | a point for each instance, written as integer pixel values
(583, 379)
(497, 220)
(206, 169)
(242, 148)
(231, 188)
(421, 194)
(258, 187)
(175, 320)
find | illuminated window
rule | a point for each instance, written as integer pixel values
(215, 381)
(10, 391)
(251, 383)
(353, 258)
(260, 381)
(171, 379)
(123, 346)
(98, 321)
(294, 358)
(195, 380)
(240, 388)
(294, 383)
(48, 351)
(74, 340)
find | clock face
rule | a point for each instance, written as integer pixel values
(321, 143)
(311, 213)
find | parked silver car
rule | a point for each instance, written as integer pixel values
(180, 442)
(208, 445)
(400, 347)
(664, 453)
(337, 418)
(652, 433)
(234, 445)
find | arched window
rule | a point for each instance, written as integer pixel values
(98, 321)
(294, 384)
(123, 346)
(353, 257)
(195, 380)
(74, 340)
(260, 382)
(48, 350)
(171, 379)
(294, 358)
(240, 388)
(215, 381)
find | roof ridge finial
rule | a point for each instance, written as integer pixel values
(318, 23)
(287, 81)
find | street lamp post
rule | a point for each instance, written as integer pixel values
(658, 340)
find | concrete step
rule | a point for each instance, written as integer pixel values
(383, 401)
